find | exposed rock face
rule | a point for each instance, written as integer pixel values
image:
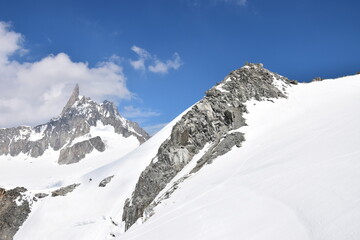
(64, 190)
(73, 98)
(13, 211)
(105, 181)
(79, 150)
(209, 121)
(39, 196)
(76, 119)
(220, 148)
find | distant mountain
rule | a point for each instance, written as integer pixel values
(71, 134)
(259, 157)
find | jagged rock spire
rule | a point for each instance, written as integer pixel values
(73, 98)
(76, 120)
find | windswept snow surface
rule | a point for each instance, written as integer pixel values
(297, 175)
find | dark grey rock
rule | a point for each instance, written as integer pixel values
(12, 214)
(149, 210)
(294, 82)
(105, 181)
(209, 121)
(39, 196)
(222, 147)
(113, 222)
(218, 149)
(78, 151)
(97, 143)
(74, 121)
(64, 190)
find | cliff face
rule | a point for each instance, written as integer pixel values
(76, 119)
(13, 211)
(208, 122)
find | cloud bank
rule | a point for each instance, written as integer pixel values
(33, 92)
(156, 65)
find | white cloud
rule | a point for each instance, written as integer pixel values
(133, 112)
(156, 66)
(164, 67)
(143, 56)
(33, 92)
(10, 42)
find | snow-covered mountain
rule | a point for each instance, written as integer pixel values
(83, 137)
(259, 157)
(73, 134)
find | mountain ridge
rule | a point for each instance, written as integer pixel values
(75, 120)
(256, 158)
(209, 121)
(295, 176)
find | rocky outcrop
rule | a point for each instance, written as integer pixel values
(75, 120)
(317, 79)
(223, 146)
(209, 121)
(64, 190)
(40, 196)
(105, 181)
(14, 210)
(72, 100)
(217, 149)
(78, 151)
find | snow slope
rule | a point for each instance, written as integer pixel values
(44, 172)
(91, 212)
(297, 175)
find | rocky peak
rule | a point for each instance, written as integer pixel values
(110, 107)
(73, 98)
(211, 121)
(76, 119)
(251, 81)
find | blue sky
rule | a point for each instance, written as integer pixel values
(185, 46)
